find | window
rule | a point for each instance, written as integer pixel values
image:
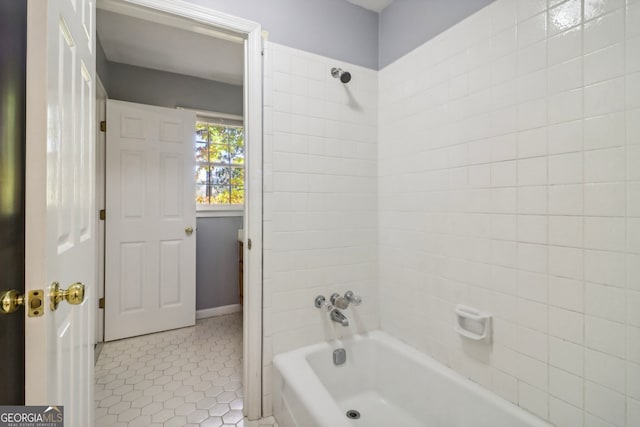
(219, 163)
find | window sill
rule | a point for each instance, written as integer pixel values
(216, 212)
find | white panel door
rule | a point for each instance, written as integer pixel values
(60, 200)
(150, 203)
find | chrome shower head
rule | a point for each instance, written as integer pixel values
(345, 76)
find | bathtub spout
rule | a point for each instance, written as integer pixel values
(338, 317)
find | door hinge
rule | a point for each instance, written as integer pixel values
(101, 303)
(103, 214)
(249, 244)
(103, 126)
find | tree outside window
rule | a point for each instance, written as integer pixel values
(219, 171)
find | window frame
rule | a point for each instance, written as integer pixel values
(219, 119)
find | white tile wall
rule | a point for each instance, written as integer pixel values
(509, 180)
(320, 192)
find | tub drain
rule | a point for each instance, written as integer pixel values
(352, 414)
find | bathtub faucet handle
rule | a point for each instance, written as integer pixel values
(353, 299)
(339, 301)
(323, 304)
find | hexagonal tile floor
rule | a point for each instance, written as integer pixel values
(186, 377)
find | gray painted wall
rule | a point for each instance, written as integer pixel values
(338, 29)
(406, 24)
(152, 87)
(333, 28)
(102, 65)
(217, 261)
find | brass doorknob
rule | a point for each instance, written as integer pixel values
(189, 231)
(74, 295)
(11, 301)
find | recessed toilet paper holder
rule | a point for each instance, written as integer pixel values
(472, 323)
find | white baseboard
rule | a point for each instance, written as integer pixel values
(218, 311)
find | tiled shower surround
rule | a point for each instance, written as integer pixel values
(320, 208)
(509, 181)
(497, 166)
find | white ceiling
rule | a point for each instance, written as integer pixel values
(147, 44)
(375, 5)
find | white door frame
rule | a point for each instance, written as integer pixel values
(252, 313)
(101, 114)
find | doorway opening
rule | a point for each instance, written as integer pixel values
(190, 41)
(13, 119)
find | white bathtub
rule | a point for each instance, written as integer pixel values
(389, 383)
